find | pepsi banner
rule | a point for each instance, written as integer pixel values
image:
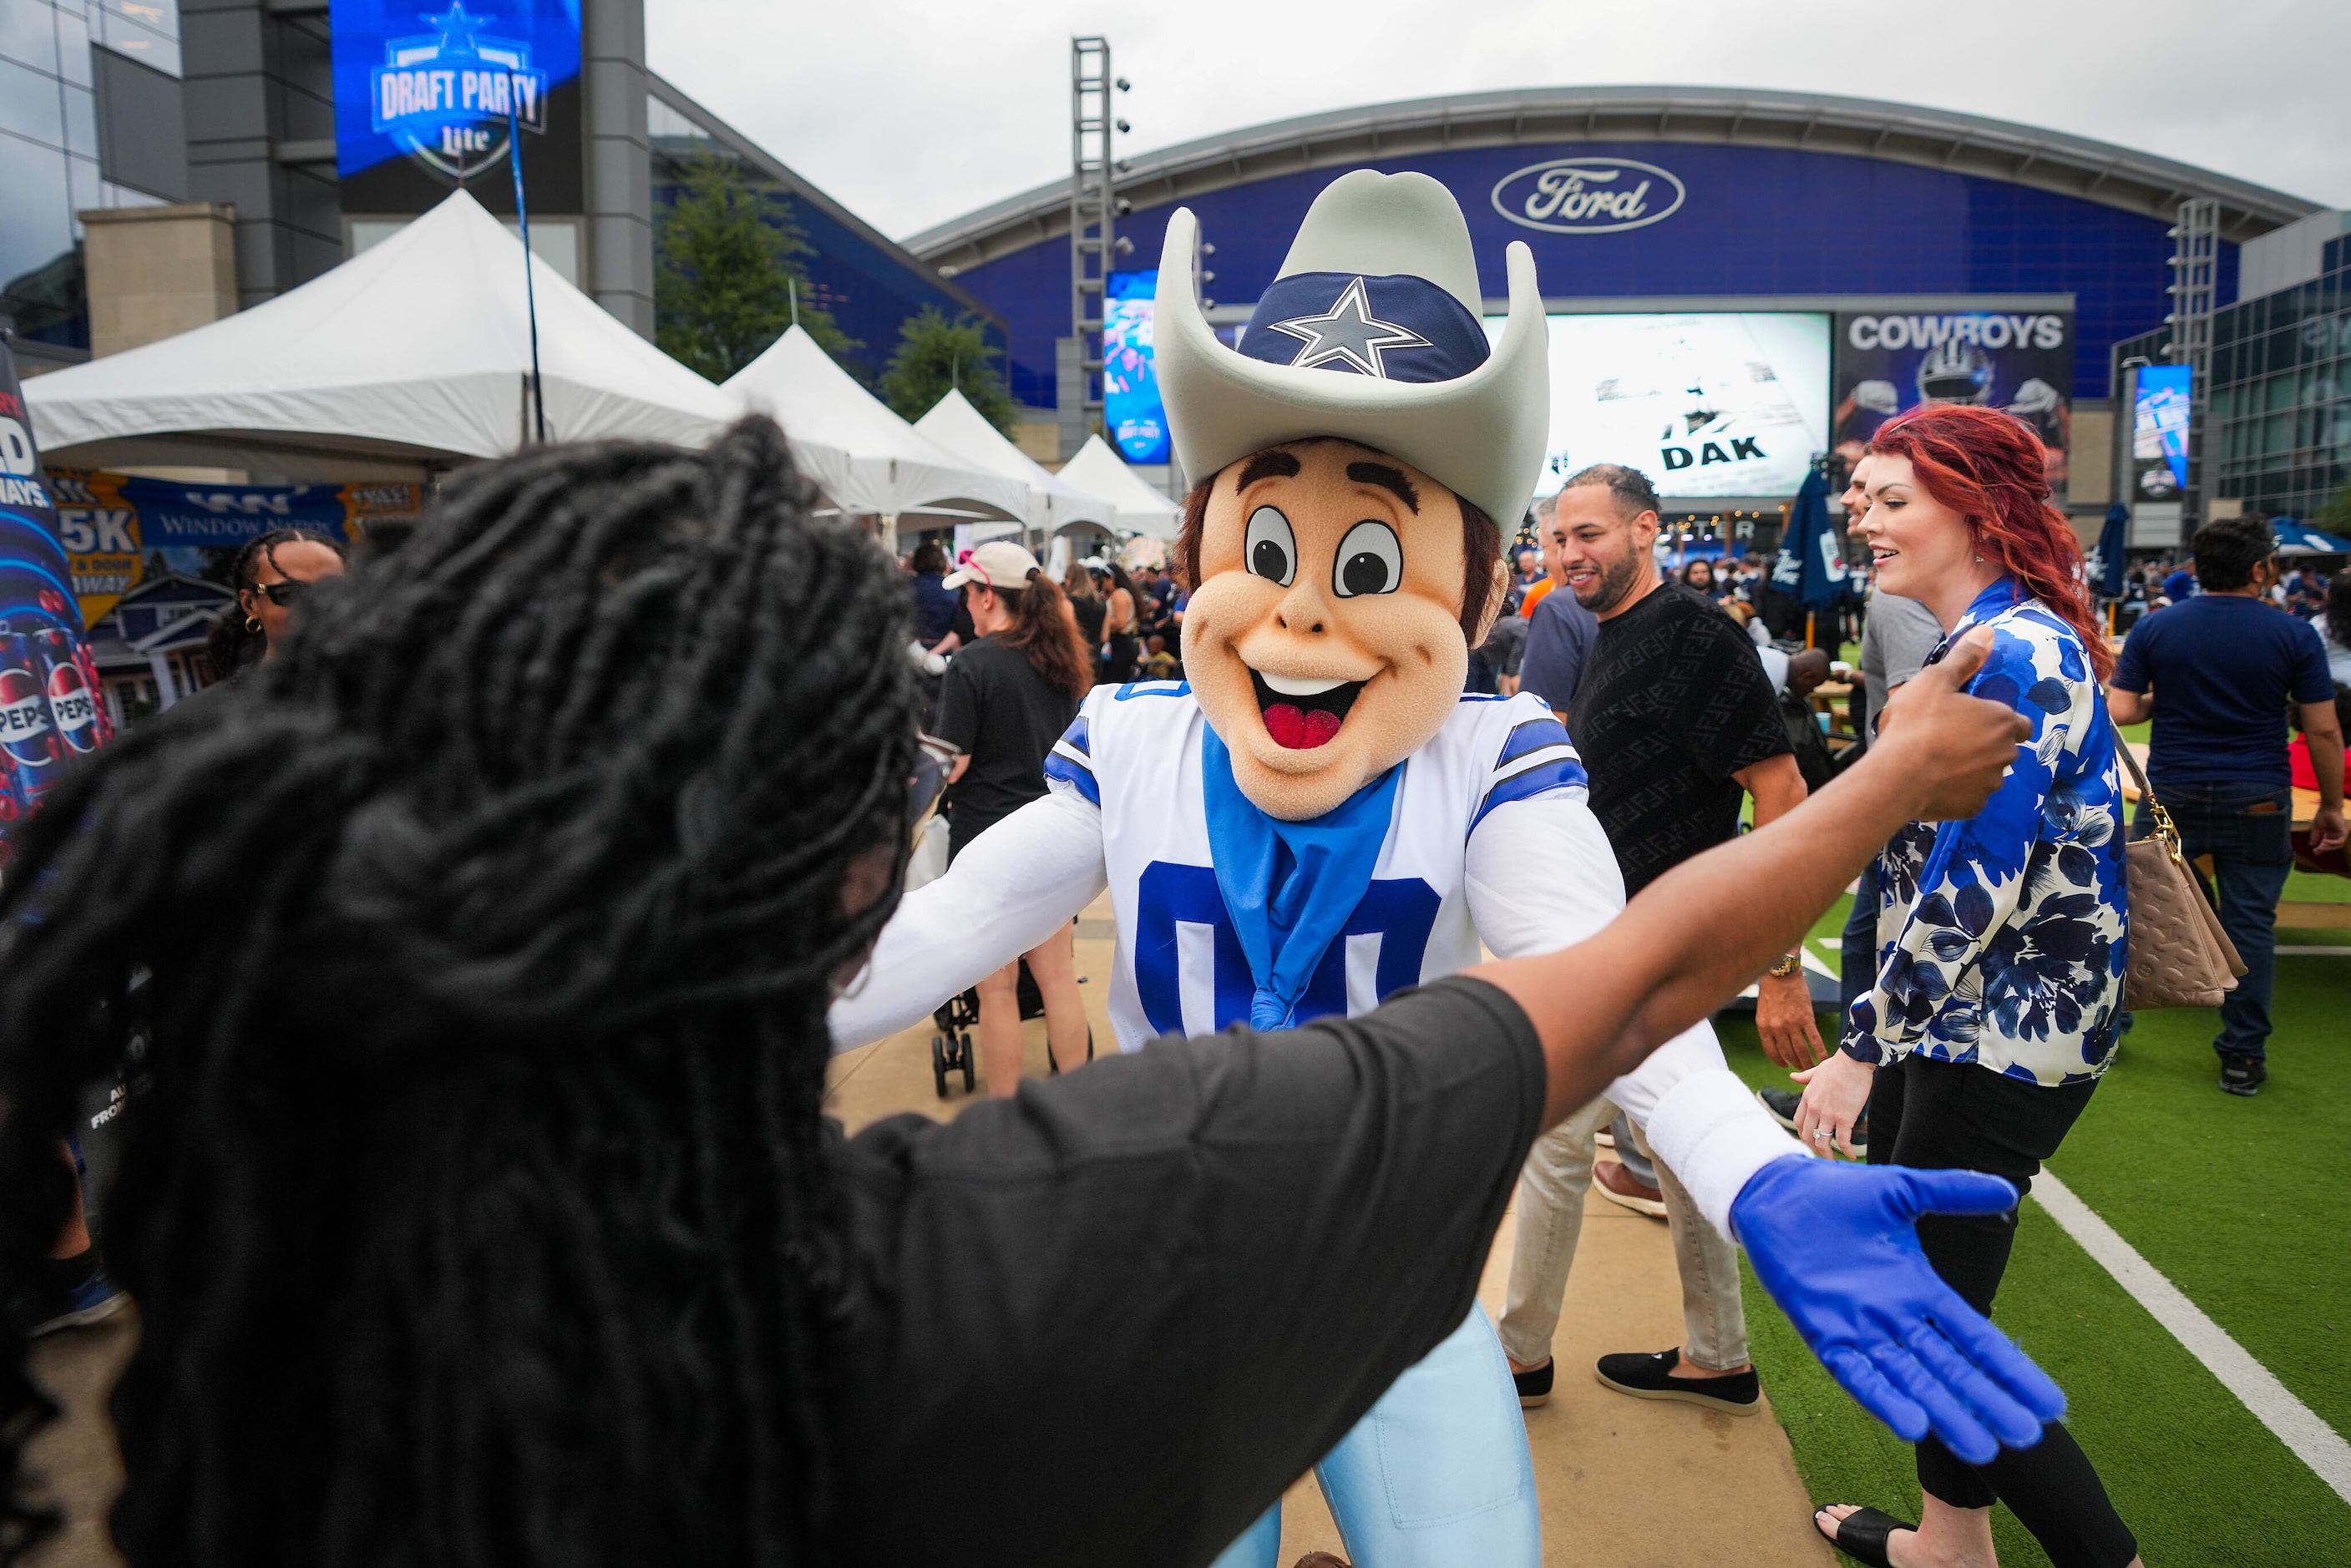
(1131, 406)
(426, 102)
(49, 711)
(113, 526)
(2021, 362)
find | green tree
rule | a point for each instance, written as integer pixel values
(936, 355)
(2335, 517)
(730, 272)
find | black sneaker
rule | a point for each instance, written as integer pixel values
(2243, 1075)
(1534, 1383)
(1650, 1378)
(1783, 1104)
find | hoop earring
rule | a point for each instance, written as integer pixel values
(253, 623)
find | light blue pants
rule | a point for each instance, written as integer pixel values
(1436, 1475)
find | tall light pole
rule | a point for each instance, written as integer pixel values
(1095, 246)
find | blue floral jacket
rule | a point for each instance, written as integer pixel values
(2000, 938)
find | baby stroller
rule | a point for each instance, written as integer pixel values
(951, 1046)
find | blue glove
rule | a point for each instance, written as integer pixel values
(1837, 1247)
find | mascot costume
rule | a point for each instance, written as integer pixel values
(1320, 816)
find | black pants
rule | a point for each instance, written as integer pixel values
(1942, 1116)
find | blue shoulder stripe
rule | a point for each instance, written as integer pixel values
(1079, 734)
(1560, 773)
(1153, 688)
(1076, 774)
(1531, 735)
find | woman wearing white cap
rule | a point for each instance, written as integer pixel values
(1003, 703)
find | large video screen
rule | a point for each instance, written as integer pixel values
(1131, 406)
(1888, 364)
(426, 101)
(1708, 404)
(2159, 409)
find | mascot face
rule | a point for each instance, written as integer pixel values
(1324, 641)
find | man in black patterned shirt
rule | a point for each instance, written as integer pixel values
(1674, 720)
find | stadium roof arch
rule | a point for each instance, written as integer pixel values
(1902, 133)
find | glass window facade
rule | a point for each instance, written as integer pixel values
(48, 148)
(2278, 424)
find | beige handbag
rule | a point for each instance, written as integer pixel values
(2179, 956)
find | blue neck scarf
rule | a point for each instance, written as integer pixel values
(1289, 885)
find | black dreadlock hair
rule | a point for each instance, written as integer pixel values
(470, 962)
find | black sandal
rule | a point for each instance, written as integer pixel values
(1862, 1533)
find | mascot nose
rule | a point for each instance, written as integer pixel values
(1283, 621)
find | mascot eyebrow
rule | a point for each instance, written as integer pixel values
(1270, 464)
(1387, 478)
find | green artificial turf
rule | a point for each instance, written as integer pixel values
(2239, 1202)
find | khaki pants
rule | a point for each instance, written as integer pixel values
(1557, 1173)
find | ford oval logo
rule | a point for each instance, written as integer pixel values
(1588, 195)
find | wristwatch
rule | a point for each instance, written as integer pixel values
(1787, 966)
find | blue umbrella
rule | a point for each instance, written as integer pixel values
(1820, 573)
(2106, 565)
(2300, 539)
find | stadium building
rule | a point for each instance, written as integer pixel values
(1738, 279)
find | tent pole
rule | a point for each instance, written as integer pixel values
(529, 287)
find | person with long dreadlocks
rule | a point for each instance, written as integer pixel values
(471, 961)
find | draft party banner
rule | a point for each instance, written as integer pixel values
(49, 711)
(117, 530)
(427, 100)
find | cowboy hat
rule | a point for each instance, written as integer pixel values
(1381, 287)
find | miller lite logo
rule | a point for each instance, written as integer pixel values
(446, 96)
(1588, 195)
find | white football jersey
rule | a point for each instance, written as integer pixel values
(1134, 751)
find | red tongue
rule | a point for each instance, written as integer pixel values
(1300, 730)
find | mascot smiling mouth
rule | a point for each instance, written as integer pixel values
(1302, 714)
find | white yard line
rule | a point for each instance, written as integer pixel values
(2313, 952)
(2313, 1442)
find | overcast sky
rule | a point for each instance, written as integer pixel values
(914, 111)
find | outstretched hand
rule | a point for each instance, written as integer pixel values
(1837, 1247)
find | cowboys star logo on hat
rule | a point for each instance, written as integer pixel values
(1349, 332)
(1371, 333)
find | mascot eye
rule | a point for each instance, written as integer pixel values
(1269, 548)
(1371, 561)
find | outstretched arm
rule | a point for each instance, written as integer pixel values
(1834, 1245)
(1016, 884)
(1605, 1003)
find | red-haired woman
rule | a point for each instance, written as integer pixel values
(1997, 1001)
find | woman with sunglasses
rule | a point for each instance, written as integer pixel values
(269, 576)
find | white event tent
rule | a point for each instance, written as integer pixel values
(413, 357)
(857, 450)
(1053, 503)
(1098, 470)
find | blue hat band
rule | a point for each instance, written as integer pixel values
(1396, 328)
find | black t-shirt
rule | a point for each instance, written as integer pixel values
(1107, 1321)
(995, 706)
(1672, 702)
